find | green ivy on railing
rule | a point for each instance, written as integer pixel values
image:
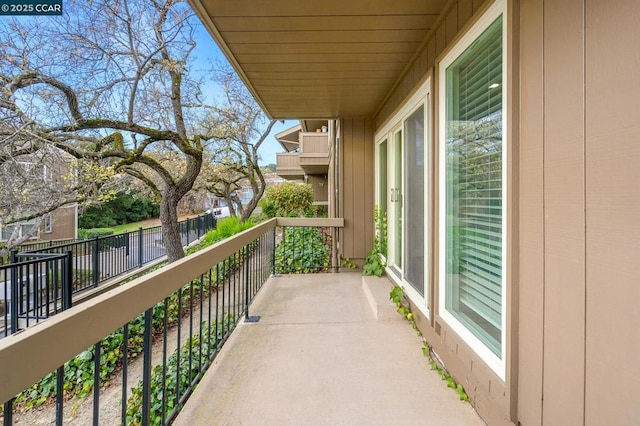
(303, 250)
(163, 386)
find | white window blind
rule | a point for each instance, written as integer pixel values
(474, 187)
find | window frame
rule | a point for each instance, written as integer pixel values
(497, 364)
(48, 223)
(396, 123)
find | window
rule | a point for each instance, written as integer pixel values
(472, 176)
(7, 232)
(402, 177)
(24, 228)
(48, 223)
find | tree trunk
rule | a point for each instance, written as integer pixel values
(169, 220)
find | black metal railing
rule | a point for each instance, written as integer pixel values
(38, 245)
(175, 322)
(41, 279)
(102, 258)
(305, 249)
(162, 353)
(33, 287)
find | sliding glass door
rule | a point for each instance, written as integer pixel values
(402, 169)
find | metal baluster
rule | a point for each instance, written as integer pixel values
(8, 413)
(177, 402)
(146, 368)
(165, 327)
(96, 260)
(125, 365)
(96, 384)
(59, 395)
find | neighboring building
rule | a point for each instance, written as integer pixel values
(501, 139)
(307, 156)
(62, 223)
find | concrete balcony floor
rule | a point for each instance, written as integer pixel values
(318, 356)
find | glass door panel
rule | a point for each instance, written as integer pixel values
(397, 200)
(414, 203)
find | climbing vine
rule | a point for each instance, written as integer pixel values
(397, 296)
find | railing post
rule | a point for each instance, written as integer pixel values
(187, 224)
(67, 281)
(247, 270)
(140, 247)
(15, 292)
(59, 395)
(8, 413)
(96, 383)
(146, 369)
(96, 261)
(273, 253)
(246, 283)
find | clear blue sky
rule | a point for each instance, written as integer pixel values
(207, 53)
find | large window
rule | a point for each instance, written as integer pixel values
(472, 268)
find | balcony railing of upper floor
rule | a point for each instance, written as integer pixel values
(314, 152)
(288, 165)
(158, 333)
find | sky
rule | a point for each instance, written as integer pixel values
(208, 52)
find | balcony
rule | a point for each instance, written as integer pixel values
(318, 353)
(288, 166)
(314, 153)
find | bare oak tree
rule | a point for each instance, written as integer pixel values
(112, 82)
(239, 133)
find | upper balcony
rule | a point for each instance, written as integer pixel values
(288, 166)
(307, 153)
(325, 348)
(314, 152)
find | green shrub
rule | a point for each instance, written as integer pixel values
(78, 372)
(123, 208)
(373, 264)
(301, 251)
(195, 352)
(287, 200)
(84, 234)
(225, 228)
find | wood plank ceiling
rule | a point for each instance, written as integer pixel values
(319, 58)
